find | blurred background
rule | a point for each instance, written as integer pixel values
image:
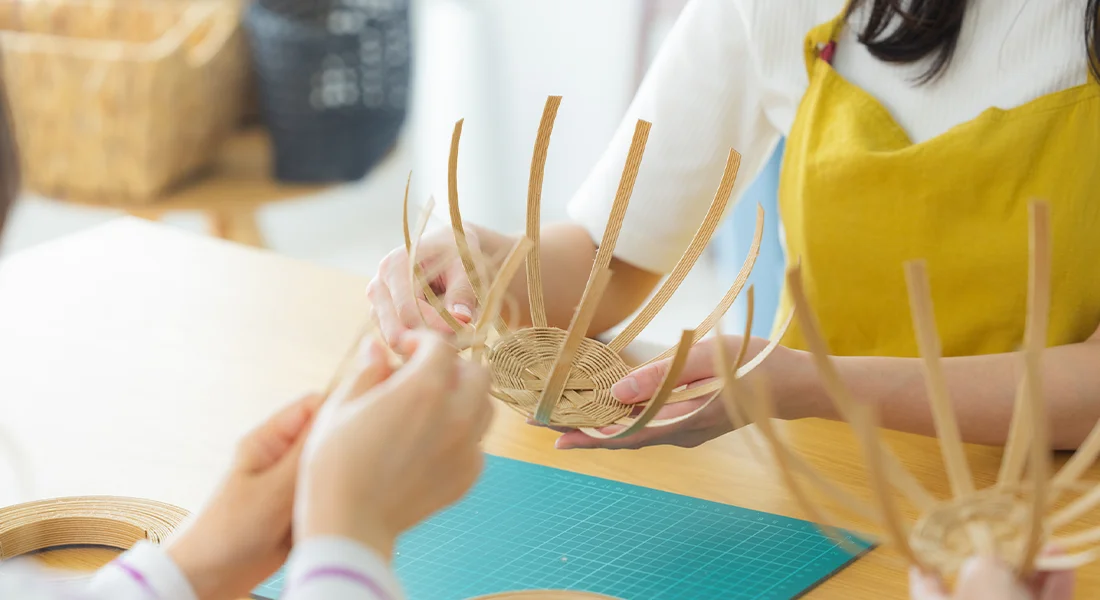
(292, 125)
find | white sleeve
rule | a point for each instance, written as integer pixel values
(332, 568)
(144, 573)
(703, 94)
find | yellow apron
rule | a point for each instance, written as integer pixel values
(858, 198)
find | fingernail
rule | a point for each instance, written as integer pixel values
(625, 390)
(461, 310)
(560, 445)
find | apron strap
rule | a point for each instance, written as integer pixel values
(821, 40)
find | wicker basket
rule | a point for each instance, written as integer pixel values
(116, 100)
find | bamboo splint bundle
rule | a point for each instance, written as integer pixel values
(1016, 518)
(111, 521)
(560, 377)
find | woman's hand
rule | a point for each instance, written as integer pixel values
(988, 579)
(787, 368)
(395, 304)
(243, 534)
(390, 449)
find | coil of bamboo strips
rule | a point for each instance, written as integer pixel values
(112, 521)
(114, 101)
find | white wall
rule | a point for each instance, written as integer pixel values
(493, 62)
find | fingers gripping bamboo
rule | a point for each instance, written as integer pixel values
(658, 401)
(722, 362)
(534, 209)
(419, 281)
(713, 386)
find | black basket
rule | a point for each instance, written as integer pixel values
(333, 79)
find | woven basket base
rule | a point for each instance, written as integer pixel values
(521, 362)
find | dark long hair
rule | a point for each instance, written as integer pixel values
(900, 31)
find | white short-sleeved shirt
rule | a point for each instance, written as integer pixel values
(731, 73)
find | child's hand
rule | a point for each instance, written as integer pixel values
(988, 579)
(243, 534)
(394, 448)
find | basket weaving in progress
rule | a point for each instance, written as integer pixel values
(1016, 518)
(111, 521)
(560, 377)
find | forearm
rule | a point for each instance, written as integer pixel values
(566, 257)
(982, 390)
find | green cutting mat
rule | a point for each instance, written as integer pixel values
(527, 526)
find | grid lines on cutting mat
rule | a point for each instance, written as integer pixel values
(526, 526)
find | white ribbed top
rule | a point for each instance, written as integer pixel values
(731, 73)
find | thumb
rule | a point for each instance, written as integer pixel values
(459, 298)
(640, 385)
(267, 444)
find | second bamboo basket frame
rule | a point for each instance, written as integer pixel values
(560, 377)
(1014, 519)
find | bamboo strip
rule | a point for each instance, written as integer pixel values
(713, 386)
(1076, 509)
(943, 413)
(419, 280)
(534, 208)
(1077, 464)
(1066, 562)
(622, 199)
(899, 476)
(687, 261)
(928, 342)
(722, 367)
(731, 295)
(1035, 339)
(761, 401)
(1019, 436)
(456, 216)
(874, 454)
(658, 401)
(491, 308)
(1081, 538)
(582, 318)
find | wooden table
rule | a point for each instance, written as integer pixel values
(229, 192)
(133, 356)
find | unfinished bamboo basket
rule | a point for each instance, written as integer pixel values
(1015, 519)
(560, 377)
(114, 101)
